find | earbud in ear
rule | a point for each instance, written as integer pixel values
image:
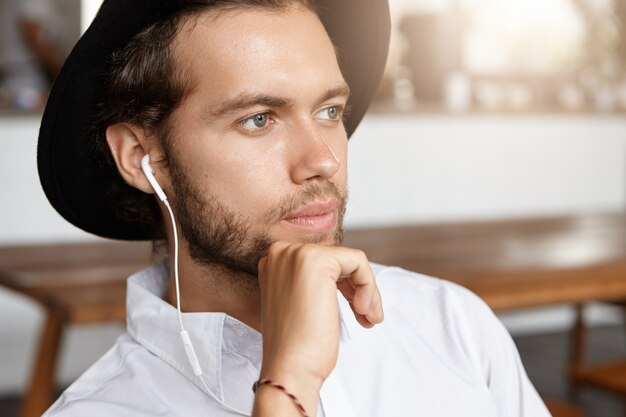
(147, 170)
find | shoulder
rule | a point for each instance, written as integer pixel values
(441, 313)
(438, 337)
(105, 388)
(418, 294)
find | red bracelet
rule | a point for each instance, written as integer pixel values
(295, 400)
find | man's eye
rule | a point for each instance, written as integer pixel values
(255, 122)
(331, 113)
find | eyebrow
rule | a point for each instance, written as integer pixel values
(340, 91)
(247, 100)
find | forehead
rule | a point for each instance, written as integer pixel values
(257, 49)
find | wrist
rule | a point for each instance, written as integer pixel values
(273, 401)
(297, 365)
(304, 387)
(272, 384)
(293, 376)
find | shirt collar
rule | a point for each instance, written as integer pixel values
(153, 323)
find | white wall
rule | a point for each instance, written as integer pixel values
(402, 169)
(26, 214)
(437, 168)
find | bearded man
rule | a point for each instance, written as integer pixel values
(238, 113)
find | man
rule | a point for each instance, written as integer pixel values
(234, 112)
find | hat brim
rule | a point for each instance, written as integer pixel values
(68, 167)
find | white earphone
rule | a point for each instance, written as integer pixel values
(191, 353)
(149, 173)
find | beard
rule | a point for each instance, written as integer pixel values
(219, 237)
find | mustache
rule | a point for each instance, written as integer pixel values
(325, 190)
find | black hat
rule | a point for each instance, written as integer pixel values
(68, 166)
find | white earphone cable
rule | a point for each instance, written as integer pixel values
(191, 353)
(175, 232)
(189, 350)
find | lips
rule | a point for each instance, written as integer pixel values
(314, 217)
(312, 210)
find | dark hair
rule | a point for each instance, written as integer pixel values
(143, 86)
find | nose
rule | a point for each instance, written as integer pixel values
(313, 156)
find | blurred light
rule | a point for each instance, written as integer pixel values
(399, 8)
(458, 92)
(534, 36)
(88, 10)
(571, 97)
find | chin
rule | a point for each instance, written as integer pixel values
(329, 238)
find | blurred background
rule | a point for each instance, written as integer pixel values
(507, 57)
(494, 154)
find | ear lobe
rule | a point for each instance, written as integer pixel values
(128, 145)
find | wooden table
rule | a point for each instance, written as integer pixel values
(510, 264)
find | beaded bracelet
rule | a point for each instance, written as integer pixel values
(269, 382)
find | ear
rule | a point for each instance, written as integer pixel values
(128, 144)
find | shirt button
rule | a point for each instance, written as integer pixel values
(240, 330)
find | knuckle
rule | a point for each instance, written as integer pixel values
(307, 253)
(305, 248)
(360, 254)
(302, 252)
(262, 263)
(274, 249)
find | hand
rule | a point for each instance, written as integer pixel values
(299, 311)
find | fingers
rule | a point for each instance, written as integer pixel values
(349, 269)
(378, 314)
(358, 285)
(375, 315)
(346, 288)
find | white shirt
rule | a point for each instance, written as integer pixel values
(440, 352)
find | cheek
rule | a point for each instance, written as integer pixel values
(245, 181)
(341, 152)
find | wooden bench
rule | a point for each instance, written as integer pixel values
(75, 284)
(610, 376)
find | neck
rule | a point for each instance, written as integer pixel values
(215, 288)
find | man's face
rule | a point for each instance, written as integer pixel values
(258, 149)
